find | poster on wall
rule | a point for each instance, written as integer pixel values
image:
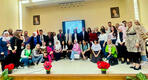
(115, 13)
(36, 20)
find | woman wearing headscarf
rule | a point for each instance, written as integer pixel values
(75, 50)
(132, 44)
(33, 40)
(4, 43)
(142, 36)
(57, 50)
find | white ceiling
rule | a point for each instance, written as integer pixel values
(52, 2)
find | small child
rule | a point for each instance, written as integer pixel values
(50, 51)
(112, 53)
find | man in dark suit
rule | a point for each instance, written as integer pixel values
(61, 36)
(41, 36)
(84, 35)
(75, 36)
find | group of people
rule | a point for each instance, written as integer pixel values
(123, 42)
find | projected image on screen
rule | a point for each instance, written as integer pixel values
(71, 25)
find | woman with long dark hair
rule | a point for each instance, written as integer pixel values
(113, 34)
(64, 49)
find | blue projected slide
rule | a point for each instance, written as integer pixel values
(71, 25)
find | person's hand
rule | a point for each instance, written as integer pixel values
(13, 51)
(29, 57)
(8, 45)
(23, 44)
(2, 53)
(147, 33)
(103, 45)
(137, 45)
(96, 55)
(21, 38)
(51, 52)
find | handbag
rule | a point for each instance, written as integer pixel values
(76, 56)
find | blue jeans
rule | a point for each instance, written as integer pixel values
(72, 54)
(26, 61)
(37, 58)
(144, 58)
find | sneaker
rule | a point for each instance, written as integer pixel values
(88, 59)
(25, 67)
(72, 60)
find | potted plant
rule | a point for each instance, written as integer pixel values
(10, 67)
(47, 65)
(5, 76)
(103, 66)
(139, 76)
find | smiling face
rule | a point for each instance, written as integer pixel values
(129, 24)
(38, 46)
(109, 42)
(28, 46)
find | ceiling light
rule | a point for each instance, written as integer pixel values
(38, 0)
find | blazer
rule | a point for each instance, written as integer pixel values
(73, 37)
(61, 38)
(86, 36)
(45, 38)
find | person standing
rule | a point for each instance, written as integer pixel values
(61, 36)
(16, 44)
(84, 35)
(142, 36)
(26, 37)
(68, 36)
(41, 36)
(75, 36)
(132, 44)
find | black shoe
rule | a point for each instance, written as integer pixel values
(132, 67)
(137, 68)
(128, 63)
(122, 62)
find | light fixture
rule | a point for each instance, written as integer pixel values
(38, 0)
(25, 1)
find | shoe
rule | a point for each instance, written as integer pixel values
(137, 68)
(132, 67)
(25, 67)
(72, 60)
(128, 63)
(122, 62)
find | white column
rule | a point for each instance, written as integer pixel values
(20, 15)
(136, 9)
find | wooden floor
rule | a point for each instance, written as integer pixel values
(71, 77)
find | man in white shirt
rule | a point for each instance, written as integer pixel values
(68, 36)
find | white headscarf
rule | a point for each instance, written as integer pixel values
(57, 46)
(35, 34)
(4, 38)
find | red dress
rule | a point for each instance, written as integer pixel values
(93, 36)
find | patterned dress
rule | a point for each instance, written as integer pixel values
(132, 39)
(141, 31)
